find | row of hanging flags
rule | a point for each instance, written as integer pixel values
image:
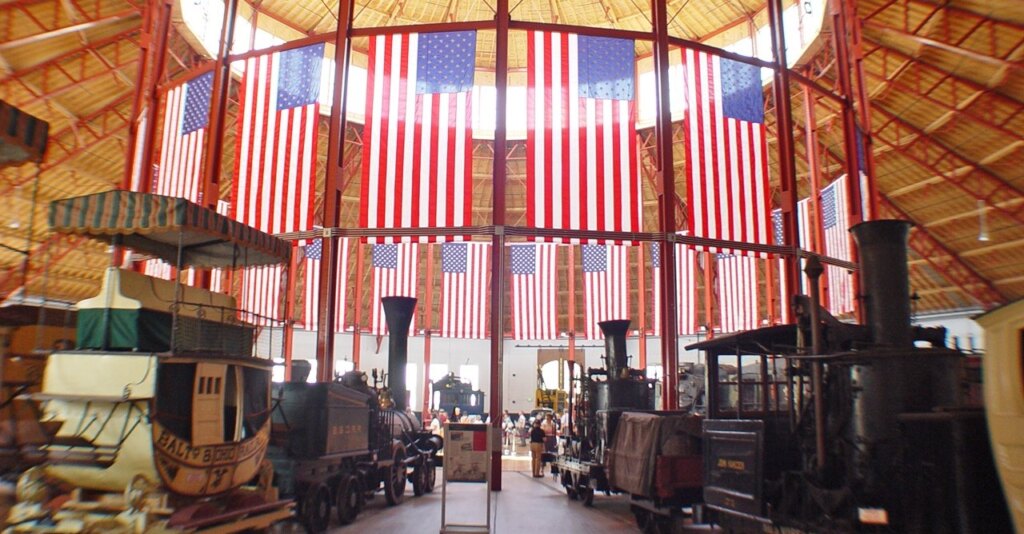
(582, 174)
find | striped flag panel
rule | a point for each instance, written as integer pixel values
(581, 152)
(465, 269)
(686, 289)
(837, 245)
(395, 271)
(605, 285)
(186, 116)
(727, 161)
(737, 293)
(418, 138)
(261, 295)
(276, 144)
(534, 291)
(311, 307)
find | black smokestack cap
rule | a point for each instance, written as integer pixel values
(615, 345)
(398, 314)
(884, 280)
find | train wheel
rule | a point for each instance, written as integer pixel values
(587, 495)
(349, 500)
(394, 486)
(419, 480)
(571, 492)
(316, 509)
(431, 475)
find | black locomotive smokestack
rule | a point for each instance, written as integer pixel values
(398, 315)
(615, 345)
(885, 282)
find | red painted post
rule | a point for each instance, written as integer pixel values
(817, 243)
(784, 130)
(357, 334)
(428, 321)
(289, 313)
(854, 213)
(641, 295)
(663, 131)
(498, 220)
(218, 109)
(332, 195)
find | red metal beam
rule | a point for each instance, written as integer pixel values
(966, 53)
(951, 266)
(332, 193)
(959, 87)
(13, 278)
(936, 156)
(925, 94)
(51, 92)
(499, 176)
(666, 208)
(57, 32)
(118, 39)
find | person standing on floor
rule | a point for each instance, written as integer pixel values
(536, 448)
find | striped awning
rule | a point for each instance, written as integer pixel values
(158, 225)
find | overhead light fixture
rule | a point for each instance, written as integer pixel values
(982, 221)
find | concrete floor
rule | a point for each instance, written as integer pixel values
(525, 504)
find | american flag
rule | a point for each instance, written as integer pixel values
(605, 285)
(418, 137)
(465, 268)
(581, 152)
(395, 271)
(686, 289)
(275, 154)
(534, 291)
(314, 253)
(727, 161)
(186, 116)
(261, 295)
(837, 245)
(217, 282)
(807, 229)
(737, 292)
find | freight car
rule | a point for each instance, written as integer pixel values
(867, 429)
(620, 443)
(337, 444)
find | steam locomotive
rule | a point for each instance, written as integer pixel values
(338, 443)
(620, 443)
(865, 429)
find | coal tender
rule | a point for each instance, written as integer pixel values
(336, 444)
(621, 444)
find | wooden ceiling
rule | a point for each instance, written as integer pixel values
(945, 78)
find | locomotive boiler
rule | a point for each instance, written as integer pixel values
(336, 444)
(866, 428)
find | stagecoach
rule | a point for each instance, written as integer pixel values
(159, 417)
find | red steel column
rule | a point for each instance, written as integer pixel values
(332, 196)
(428, 321)
(817, 243)
(784, 131)
(663, 131)
(289, 313)
(641, 294)
(854, 210)
(863, 108)
(571, 279)
(161, 28)
(357, 334)
(218, 109)
(498, 220)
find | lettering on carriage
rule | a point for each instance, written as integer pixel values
(735, 465)
(177, 448)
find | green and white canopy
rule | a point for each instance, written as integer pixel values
(158, 225)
